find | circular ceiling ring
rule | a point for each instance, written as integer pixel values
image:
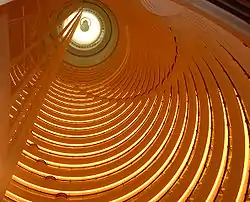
(96, 47)
(89, 39)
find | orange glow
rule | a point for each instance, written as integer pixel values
(155, 108)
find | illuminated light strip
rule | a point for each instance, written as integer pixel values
(96, 93)
(15, 197)
(105, 92)
(34, 78)
(188, 154)
(138, 82)
(91, 120)
(113, 157)
(112, 93)
(111, 90)
(132, 93)
(107, 172)
(126, 88)
(127, 137)
(11, 116)
(75, 109)
(65, 89)
(125, 95)
(83, 121)
(25, 92)
(97, 142)
(37, 74)
(132, 82)
(67, 86)
(127, 163)
(74, 104)
(219, 177)
(118, 95)
(101, 93)
(86, 144)
(191, 186)
(119, 89)
(32, 84)
(18, 102)
(43, 149)
(162, 168)
(245, 174)
(70, 98)
(13, 80)
(68, 94)
(14, 108)
(14, 70)
(79, 115)
(93, 191)
(19, 71)
(95, 88)
(94, 126)
(90, 135)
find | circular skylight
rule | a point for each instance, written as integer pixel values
(95, 36)
(88, 30)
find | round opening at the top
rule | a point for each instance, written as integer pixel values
(95, 36)
(89, 32)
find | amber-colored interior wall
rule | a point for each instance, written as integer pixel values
(184, 59)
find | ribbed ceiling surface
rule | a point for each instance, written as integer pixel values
(165, 117)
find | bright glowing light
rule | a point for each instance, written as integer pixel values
(92, 30)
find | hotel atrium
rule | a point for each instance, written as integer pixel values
(114, 100)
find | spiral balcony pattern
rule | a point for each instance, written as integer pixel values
(166, 117)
